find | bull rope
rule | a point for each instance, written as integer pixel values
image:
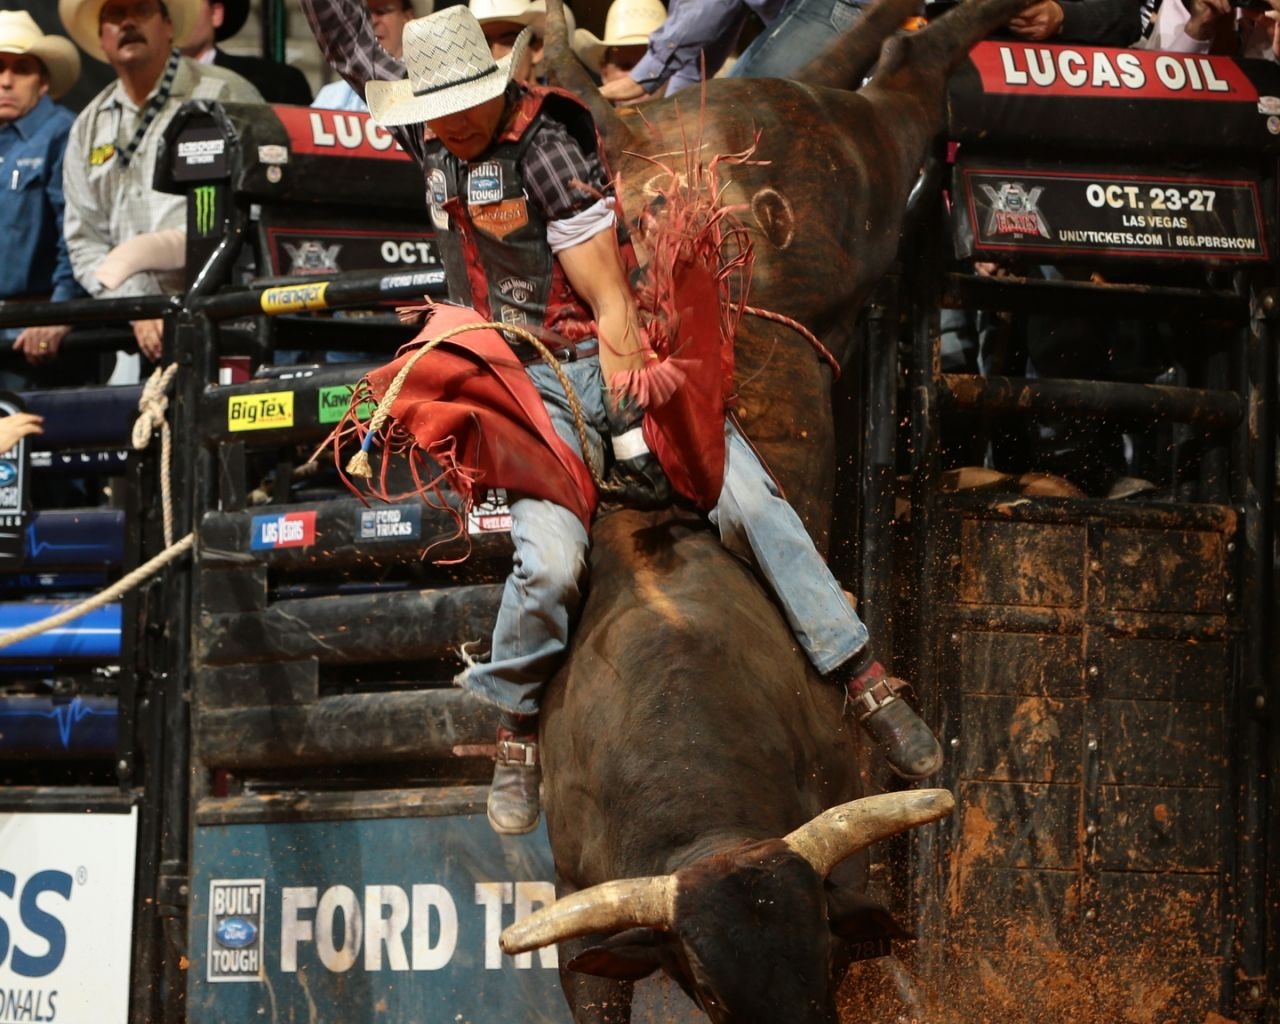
(766, 314)
(358, 465)
(152, 406)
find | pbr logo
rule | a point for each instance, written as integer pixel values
(484, 183)
(236, 909)
(312, 257)
(1013, 210)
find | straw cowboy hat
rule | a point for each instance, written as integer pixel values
(532, 13)
(628, 23)
(450, 70)
(80, 19)
(20, 34)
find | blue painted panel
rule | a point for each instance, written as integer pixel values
(49, 726)
(94, 636)
(394, 920)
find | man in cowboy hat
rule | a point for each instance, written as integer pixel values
(504, 20)
(627, 28)
(219, 20)
(35, 70)
(524, 219)
(124, 238)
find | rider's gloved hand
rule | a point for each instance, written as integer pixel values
(636, 477)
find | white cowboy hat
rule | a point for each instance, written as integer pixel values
(532, 13)
(628, 23)
(450, 70)
(80, 19)
(20, 34)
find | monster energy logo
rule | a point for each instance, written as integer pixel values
(206, 197)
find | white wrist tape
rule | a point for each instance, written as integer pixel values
(630, 445)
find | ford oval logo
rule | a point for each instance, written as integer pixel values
(484, 181)
(8, 473)
(236, 933)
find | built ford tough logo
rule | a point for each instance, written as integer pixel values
(235, 929)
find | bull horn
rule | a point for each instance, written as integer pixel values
(608, 907)
(844, 830)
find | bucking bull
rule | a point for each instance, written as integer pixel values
(690, 753)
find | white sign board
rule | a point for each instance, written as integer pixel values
(66, 917)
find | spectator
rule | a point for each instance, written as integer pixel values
(496, 153)
(218, 20)
(801, 32)
(111, 154)
(627, 28)
(17, 425)
(502, 22)
(697, 34)
(35, 69)
(388, 18)
(1241, 30)
(1091, 22)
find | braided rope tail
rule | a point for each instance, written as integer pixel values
(358, 465)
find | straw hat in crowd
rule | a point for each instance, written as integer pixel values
(80, 19)
(628, 23)
(20, 34)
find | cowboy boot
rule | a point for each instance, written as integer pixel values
(513, 806)
(878, 701)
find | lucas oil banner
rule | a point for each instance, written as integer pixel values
(395, 920)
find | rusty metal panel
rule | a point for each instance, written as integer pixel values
(1162, 668)
(1016, 663)
(1017, 826)
(1022, 739)
(1033, 986)
(1160, 742)
(1040, 564)
(1161, 916)
(1160, 571)
(1145, 828)
(991, 909)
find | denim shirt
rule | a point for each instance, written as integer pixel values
(31, 204)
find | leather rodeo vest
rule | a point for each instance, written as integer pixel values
(493, 241)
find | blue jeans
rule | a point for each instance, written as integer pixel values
(544, 590)
(801, 32)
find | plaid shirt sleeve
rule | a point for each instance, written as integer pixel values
(346, 40)
(553, 162)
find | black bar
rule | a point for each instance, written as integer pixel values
(368, 727)
(1087, 298)
(1142, 403)
(87, 311)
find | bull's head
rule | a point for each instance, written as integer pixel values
(746, 931)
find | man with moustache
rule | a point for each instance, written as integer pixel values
(126, 239)
(35, 70)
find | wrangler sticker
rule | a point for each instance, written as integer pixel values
(290, 298)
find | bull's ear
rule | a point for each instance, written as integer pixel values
(627, 956)
(858, 918)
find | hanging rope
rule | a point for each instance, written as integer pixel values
(152, 406)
